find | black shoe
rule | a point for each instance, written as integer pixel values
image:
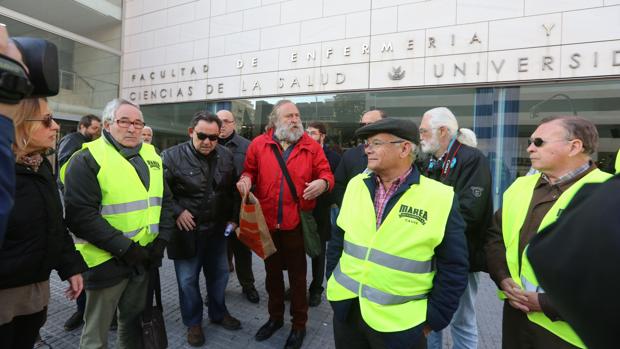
(251, 294)
(295, 339)
(314, 299)
(268, 329)
(76, 320)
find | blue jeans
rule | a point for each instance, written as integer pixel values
(211, 257)
(463, 327)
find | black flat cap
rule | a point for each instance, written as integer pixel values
(400, 128)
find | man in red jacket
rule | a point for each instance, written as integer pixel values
(311, 176)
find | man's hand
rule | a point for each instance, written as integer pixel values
(76, 285)
(244, 185)
(185, 221)
(426, 330)
(532, 302)
(516, 296)
(314, 189)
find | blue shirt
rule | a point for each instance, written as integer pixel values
(7, 172)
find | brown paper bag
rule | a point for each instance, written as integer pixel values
(253, 231)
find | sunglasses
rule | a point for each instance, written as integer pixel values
(539, 142)
(47, 121)
(203, 136)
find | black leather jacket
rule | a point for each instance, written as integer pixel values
(186, 171)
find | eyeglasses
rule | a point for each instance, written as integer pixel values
(47, 121)
(227, 122)
(203, 136)
(424, 131)
(124, 123)
(362, 124)
(377, 143)
(539, 142)
(313, 132)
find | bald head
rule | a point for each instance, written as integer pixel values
(228, 123)
(372, 116)
(147, 135)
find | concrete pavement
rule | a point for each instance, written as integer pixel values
(252, 316)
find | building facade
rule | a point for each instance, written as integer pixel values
(500, 65)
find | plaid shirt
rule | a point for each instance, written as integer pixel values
(382, 196)
(570, 175)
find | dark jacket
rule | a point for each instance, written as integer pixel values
(7, 172)
(37, 240)
(321, 211)
(186, 172)
(471, 179)
(577, 263)
(68, 145)
(451, 269)
(239, 147)
(82, 203)
(354, 161)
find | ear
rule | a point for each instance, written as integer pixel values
(576, 147)
(190, 131)
(106, 125)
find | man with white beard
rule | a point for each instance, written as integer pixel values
(466, 170)
(311, 176)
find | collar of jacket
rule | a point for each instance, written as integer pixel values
(412, 178)
(127, 153)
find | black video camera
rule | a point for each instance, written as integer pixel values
(41, 80)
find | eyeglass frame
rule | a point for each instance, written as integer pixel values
(130, 123)
(47, 121)
(539, 142)
(202, 136)
(378, 143)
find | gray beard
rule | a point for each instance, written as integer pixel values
(429, 147)
(286, 134)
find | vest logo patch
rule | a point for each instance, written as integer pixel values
(153, 164)
(409, 212)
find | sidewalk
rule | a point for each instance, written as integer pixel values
(319, 329)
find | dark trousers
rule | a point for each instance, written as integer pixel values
(518, 332)
(81, 302)
(290, 255)
(243, 261)
(318, 271)
(22, 331)
(355, 333)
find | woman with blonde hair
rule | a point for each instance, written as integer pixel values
(37, 240)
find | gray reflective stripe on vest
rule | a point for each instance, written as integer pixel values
(155, 201)
(132, 233)
(130, 206)
(372, 294)
(528, 286)
(124, 208)
(388, 260)
(154, 228)
(77, 240)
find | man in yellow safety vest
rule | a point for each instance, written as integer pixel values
(116, 203)
(402, 257)
(560, 149)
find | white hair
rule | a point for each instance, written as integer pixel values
(467, 137)
(442, 116)
(109, 111)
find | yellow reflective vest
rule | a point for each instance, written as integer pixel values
(617, 164)
(391, 269)
(517, 199)
(125, 204)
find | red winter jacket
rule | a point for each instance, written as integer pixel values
(306, 163)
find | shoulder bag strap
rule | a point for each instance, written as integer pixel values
(291, 186)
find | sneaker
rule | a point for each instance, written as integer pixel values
(195, 337)
(314, 299)
(76, 320)
(251, 294)
(228, 322)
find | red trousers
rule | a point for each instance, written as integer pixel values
(291, 256)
